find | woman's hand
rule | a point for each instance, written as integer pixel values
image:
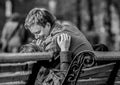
(38, 42)
(63, 41)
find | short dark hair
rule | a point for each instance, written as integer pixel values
(40, 16)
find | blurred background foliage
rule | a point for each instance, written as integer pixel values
(98, 19)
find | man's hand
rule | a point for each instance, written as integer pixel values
(63, 41)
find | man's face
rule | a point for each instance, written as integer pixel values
(39, 31)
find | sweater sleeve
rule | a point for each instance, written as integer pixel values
(65, 59)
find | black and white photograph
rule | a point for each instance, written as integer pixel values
(59, 42)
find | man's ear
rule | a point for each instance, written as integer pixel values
(47, 28)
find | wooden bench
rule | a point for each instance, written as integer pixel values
(108, 74)
(15, 69)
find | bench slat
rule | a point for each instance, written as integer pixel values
(13, 67)
(101, 75)
(94, 81)
(17, 76)
(14, 83)
(96, 69)
(91, 81)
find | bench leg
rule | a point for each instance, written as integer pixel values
(113, 74)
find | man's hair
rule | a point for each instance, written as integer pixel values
(39, 16)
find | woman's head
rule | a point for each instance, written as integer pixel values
(28, 48)
(39, 21)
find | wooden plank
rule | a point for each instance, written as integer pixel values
(16, 64)
(14, 83)
(94, 81)
(17, 76)
(13, 67)
(107, 56)
(22, 57)
(99, 75)
(102, 75)
(96, 69)
(91, 81)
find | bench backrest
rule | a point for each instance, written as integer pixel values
(15, 69)
(15, 73)
(98, 75)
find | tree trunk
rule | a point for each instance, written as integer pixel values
(78, 13)
(90, 8)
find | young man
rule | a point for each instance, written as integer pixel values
(49, 33)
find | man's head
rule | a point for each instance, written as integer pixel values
(39, 21)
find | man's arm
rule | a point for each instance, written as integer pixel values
(63, 41)
(65, 59)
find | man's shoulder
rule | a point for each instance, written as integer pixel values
(71, 27)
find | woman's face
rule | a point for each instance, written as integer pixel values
(39, 31)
